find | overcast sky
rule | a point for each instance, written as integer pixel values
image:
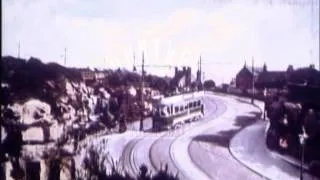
(106, 33)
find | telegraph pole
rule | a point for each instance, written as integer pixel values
(199, 74)
(19, 50)
(65, 56)
(142, 98)
(134, 61)
(252, 98)
(200, 71)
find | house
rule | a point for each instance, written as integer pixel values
(280, 79)
(306, 75)
(273, 79)
(99, 76)
(181, 79)
(88, 75)
(245, 77)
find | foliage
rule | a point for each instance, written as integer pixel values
(30, 79)
(209, 84)
(158, 83)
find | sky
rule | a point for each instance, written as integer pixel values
(110, 33)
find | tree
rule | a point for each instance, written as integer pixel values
(209, 84)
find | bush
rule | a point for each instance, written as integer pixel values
(209, 84)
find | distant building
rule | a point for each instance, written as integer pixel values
(280, 79)
(99, 75)
(181, 79)
(272, 79)
(245, 77)
(307, 75)
(88, 75)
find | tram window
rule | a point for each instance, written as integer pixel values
(168, 110)
(186, 107)
(176, 109)
(198, 102)
(181, 108)
(194, 104)
(190, 105)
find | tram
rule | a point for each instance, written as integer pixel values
(172, 112)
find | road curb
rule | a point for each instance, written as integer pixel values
(235, 157)
(242, 162)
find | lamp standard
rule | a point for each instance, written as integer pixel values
(302, 144)
(142, 98)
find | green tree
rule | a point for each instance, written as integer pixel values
(209, 84)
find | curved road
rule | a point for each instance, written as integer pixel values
(183, 153)
(198, 150)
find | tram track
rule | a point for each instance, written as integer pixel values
(127, 158)
(174, 147)
(166, 156)
(158, 149)
(139, 150)
(171, 148)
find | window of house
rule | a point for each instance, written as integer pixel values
(181, 108)
(195, 104)
(199, 103)
(190, 104)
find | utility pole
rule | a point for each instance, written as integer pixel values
(252, 100)
(203, 76)
(312, 32)
(134, 62)
(65, 56)
(302, 146)
(142, 98)
(199, 74)
(19, 50)
(200, 71)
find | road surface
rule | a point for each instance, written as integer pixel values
(198, 150)
(255, 155)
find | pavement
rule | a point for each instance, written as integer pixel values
(249, 148)
(209, 150)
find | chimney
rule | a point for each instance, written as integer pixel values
(290, 68)
(189, 76)
(175, 71)
(265, 67)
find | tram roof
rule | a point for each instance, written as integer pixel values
(181, 97)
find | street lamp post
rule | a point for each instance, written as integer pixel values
(142, 98)
(252, 98)
(302, 143)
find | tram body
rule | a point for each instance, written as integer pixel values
(174, 111)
